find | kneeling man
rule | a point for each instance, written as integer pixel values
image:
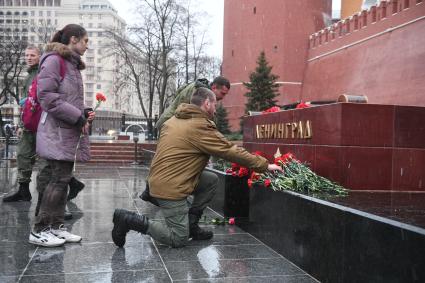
(187, 141)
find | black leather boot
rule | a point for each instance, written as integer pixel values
(196, 232)
(125, 221)
(23, 194)
(75, 187)
(146, 196)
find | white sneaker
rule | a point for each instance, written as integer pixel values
(46, 239)
(61, 233)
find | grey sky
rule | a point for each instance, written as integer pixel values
(215, 10)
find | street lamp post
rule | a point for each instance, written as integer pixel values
(136, 140)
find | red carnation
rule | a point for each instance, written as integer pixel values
(272, 110)
(267, 182)
(302, 105)
(243, 171)
(100, 97)
(284, 158)
(249, 183)
(235, 166)
(255, 176)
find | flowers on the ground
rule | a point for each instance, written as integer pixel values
(217, 221)
(272, 110)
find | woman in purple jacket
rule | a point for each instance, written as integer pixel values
(63, 120)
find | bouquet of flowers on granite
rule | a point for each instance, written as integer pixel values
(296, 176)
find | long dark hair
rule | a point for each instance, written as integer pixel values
(64, 35)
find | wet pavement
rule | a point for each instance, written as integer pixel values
(231, 256)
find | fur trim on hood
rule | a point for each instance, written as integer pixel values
(66, 53)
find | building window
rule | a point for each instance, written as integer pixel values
(99, 34)
(32, 13)
(90, 25)
(49, 13)
(41, 3)
(57, 3)
(99, 25)
(98, 86)
(49, 3)
(100, 16)
(40, 13)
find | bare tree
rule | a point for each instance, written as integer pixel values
(44, 30)
(12, 48)
(193, 41)
(208, 67)
(165, 14)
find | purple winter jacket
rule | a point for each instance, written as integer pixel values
(62, 102)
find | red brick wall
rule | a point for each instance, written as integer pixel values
(379, 53)
(279, 27)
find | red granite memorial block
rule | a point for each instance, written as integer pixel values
(409, 127)
(409, 169)
(366, 168)
(361, 146)
(368, 125)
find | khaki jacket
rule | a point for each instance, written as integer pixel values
(186, 143)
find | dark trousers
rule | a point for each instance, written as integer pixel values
(52, 207)
(173, 230)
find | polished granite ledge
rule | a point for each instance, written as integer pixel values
(233, 255)
(336, 243)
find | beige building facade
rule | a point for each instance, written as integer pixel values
(37, 20)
